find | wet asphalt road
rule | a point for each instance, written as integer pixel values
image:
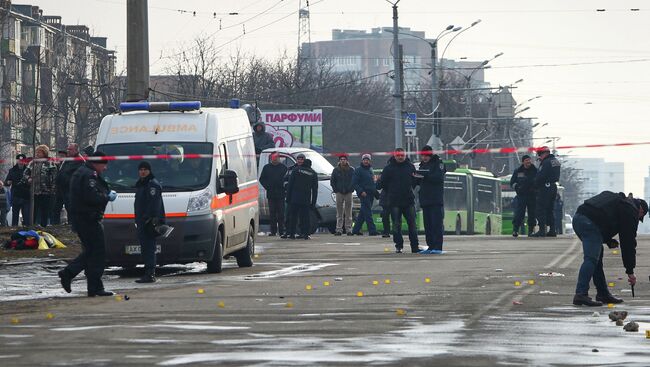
(300, 305)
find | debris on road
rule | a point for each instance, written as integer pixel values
(631, 326)
(620, 322)
(595, 314)
(617, 315)
(595, 350)
(338, 279)
(551, 274)
(517, 303)
(547, 292)
(499, 270)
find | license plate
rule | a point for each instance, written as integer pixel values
(135, 249)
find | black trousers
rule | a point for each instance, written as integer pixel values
(19, 205)
(409, 215)
(385, 219)
(434, 227)
(276, 215)
(545, 202)
(524, 202)
(147, 249)
(93, 253)
(42, 209)
(298, 211)
(57, 207)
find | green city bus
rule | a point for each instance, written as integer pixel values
(472, 203)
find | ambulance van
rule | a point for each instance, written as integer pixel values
(205, 161)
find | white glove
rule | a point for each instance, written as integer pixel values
(112, 195)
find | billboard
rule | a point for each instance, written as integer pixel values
(295, 128)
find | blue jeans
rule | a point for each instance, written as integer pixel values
(592, 246)
(409, 215)
(365, 215)
(433, 225)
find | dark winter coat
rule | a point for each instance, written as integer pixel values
(19, 185)
(88, 193)
(432, 184)
(362, 181)
(397, 180)
(523, 180)
(549, 171)
(341, 180)
(303, 185)
(272, 179)
(66, 171)
(615, 214)
(148, 204)
(262, 139)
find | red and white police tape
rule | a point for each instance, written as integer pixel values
(504, 150)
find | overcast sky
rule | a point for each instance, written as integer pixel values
(601, 98)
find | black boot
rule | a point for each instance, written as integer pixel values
(66, 280)
(607, 298)
(148, 277)
(538, 234)
(515, 233)
(585, 300)
(101, 293)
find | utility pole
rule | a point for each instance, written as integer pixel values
(137, 53)
(437, 131)
(397, 93)
(401, 86)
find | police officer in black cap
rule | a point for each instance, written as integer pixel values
(523, 181)
(89, 195)
(149, 214)
(545, 184)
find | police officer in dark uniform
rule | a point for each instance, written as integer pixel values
(431, 178)
(149, 213)
(523, 182)
(302, 192)
(545, 184)
(89, 195)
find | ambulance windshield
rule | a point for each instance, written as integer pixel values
(174, 174)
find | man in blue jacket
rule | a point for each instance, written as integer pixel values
(364, 185)
(397, 179)
(523, 182)
(149, 213)
(431, 177)
(546, 186)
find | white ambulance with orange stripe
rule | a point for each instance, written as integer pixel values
(204, 159)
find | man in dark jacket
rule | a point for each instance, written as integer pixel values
(397, 180)
(302, 192)
(63, 180)
(272, 179)
(341, 183)
(431, 178)
(300, 160)
(20, 195)
(546, 188)
(523, 182)
(261, 138)
(596, 222)
(89, 195)
(364, 184)
(149, 213)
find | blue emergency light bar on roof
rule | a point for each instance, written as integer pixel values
(160, 106)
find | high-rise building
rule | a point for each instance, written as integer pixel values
(599, 175)
(55, 80)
